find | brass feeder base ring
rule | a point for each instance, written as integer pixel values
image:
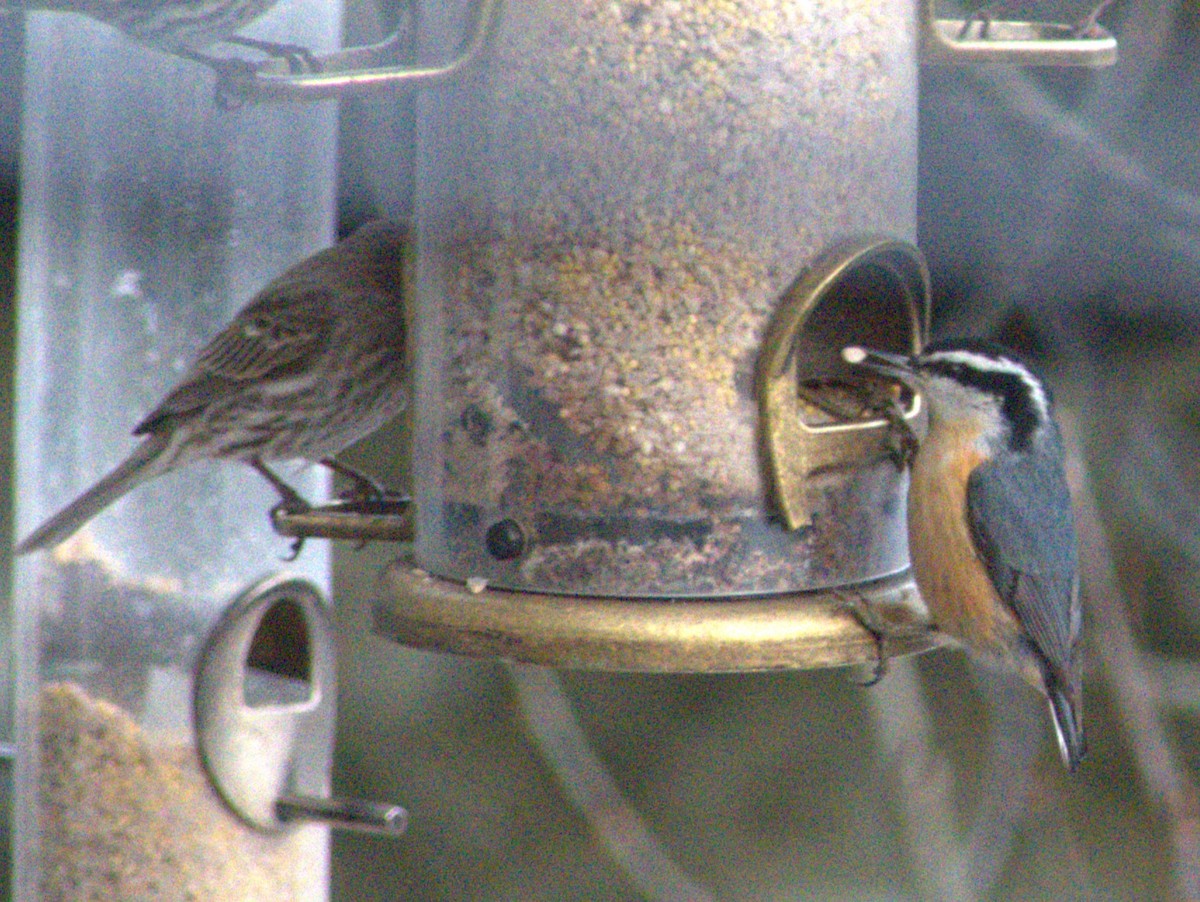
(779, 632)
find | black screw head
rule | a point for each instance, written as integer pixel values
(505, 540)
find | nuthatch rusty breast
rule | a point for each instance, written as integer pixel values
(990, 531)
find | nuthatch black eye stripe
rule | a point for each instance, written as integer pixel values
(1021, 412)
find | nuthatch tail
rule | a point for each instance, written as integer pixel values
(990, 531)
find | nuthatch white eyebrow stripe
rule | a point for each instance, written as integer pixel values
(1001, 366)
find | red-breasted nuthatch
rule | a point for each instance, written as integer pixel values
(990, 531)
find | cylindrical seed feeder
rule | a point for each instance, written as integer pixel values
(644, 233)
(147, 217)
(610, 210)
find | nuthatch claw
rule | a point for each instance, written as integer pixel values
(858, 607)
(843, 401)
(902, 440)
(990, 531)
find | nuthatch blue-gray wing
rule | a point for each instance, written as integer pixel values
(1020, 516)
(990, 531)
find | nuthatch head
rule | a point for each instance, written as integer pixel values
(990, 531)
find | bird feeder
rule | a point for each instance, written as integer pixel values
(644, 233)
(147, 216)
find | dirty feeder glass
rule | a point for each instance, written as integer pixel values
(610, 206)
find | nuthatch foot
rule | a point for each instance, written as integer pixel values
(990, 531)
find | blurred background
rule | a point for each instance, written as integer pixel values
(1060, 213)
